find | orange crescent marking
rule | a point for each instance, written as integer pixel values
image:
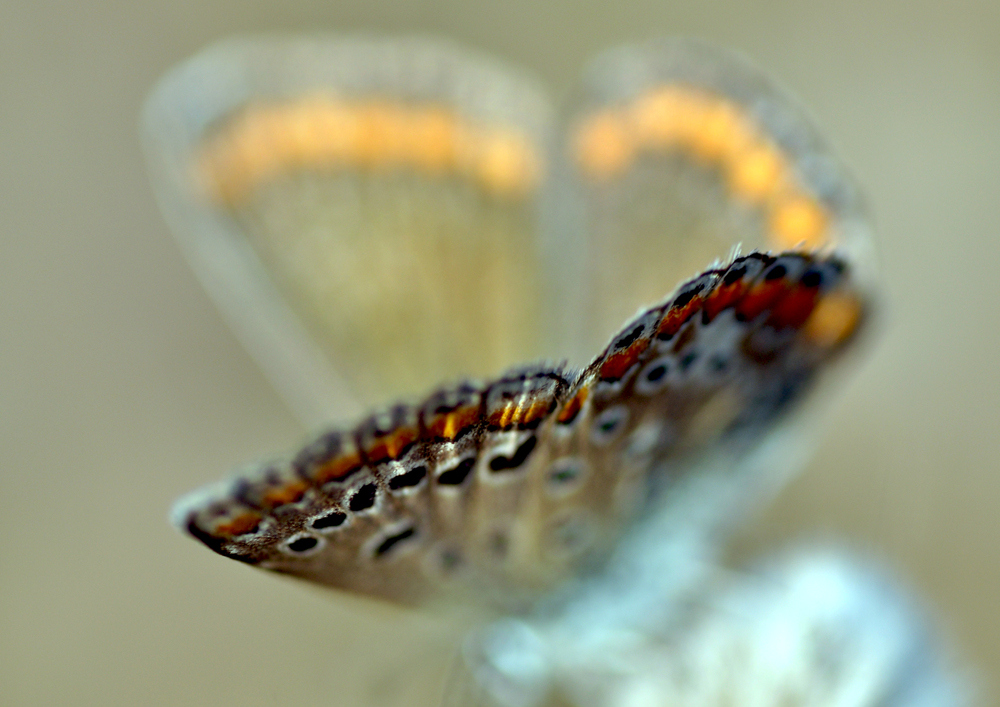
(573, 406)
(240, 525)
(761, 297)
(449, 425)
(538, 410)
(757, 173)
(618, 364)
(603, 145)
(261, 142)
(337, 469)
(794, 309)
(289, 493)
(798, 220)
(674, 319)
(834, 320)
(722, 297)
(391, 445)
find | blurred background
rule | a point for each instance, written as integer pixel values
(121, 386)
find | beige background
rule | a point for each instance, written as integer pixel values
(121, 387)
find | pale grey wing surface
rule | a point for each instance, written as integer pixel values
(805, 629)
(678, 152)
(362, 210)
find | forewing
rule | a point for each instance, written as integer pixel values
(678, 153)
(362, 210)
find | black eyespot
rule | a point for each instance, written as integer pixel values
(656, 373)
(778, 271)
(531, 424)
(565, 472)
(684, 297)
(442, 409)
(718, 363)
(498, 544)
(363, 498)
(653, 377)
(520, 456)
(451, 560)
(408, 479)
(735, 275)
(688, 359)
(456, 475)
(609, 424)
(629, 338)
(812, 278)
(394, 540)
(303, 544)
(331, 520)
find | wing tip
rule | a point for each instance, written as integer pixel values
(185, 508)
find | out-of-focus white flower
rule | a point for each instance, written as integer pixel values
(810, 629)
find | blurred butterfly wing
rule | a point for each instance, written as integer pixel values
(678, 152)
(363, 211)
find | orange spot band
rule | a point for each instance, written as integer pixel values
(290, 493)
(392, 445)
(240, 525)
(618, 364)
(675, 318)
(324, 132)
(337, 469)
(834, 320)
(573, 406)
(449, 425)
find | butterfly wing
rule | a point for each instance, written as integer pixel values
(678, 152)
(362, 210)
(498, 493)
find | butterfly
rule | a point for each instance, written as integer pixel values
(376, 216)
